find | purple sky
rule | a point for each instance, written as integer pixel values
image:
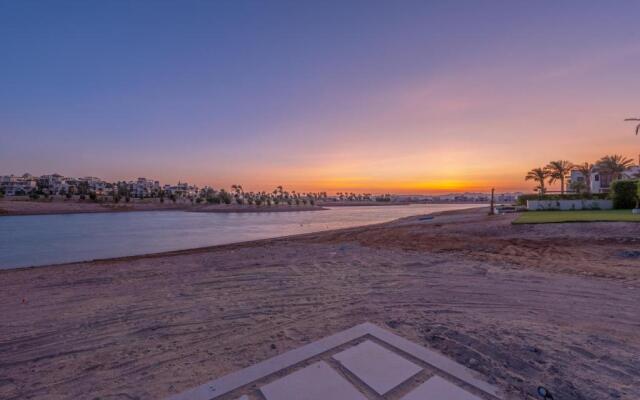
(358, 95)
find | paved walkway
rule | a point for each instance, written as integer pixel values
(365, 362)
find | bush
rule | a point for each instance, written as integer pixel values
(624, 194)
(522, 199)
(225, 197)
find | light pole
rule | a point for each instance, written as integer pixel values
(492, 210)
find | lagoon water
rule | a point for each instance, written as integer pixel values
(50, 239)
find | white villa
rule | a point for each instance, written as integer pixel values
(53, 184)
(182, 189)
(58, 185)
(13, 185)
(600, 183)
(144, 187)
(97, 185)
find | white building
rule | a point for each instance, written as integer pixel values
(13, 185)
(182, 189)
(97, 185)
(463, 197)
(53, 184)
(143, 187)
(507, 197)
(600, 183)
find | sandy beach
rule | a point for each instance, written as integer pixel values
(524, 305)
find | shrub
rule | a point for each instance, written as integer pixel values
(522, 199)
(624, 193)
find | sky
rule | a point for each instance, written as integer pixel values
(364, 96)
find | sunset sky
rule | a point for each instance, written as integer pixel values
(374, 96)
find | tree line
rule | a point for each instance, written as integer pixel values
(612, 166)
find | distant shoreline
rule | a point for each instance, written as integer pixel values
(362, 203)
(38, 207)
(23, 208)
(390, 203)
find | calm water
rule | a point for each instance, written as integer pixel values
(51, 239)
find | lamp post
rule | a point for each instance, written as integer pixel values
(492, 211)
(636, 210)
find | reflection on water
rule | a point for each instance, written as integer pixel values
(51, 239)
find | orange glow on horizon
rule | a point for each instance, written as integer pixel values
(418, 187)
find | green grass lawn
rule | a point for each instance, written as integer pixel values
(549, 217)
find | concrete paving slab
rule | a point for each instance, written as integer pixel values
(377, 367)
(223, 385)
(316, 382)
(234, 380)
(437, 388)
(434, 359)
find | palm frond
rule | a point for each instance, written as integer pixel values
(637, 127)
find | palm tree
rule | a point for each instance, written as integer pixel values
(538, 175)
(558, 171)
(614, 165)
(586, 170)
(638, 126)
(237, 189)
(579, 187)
